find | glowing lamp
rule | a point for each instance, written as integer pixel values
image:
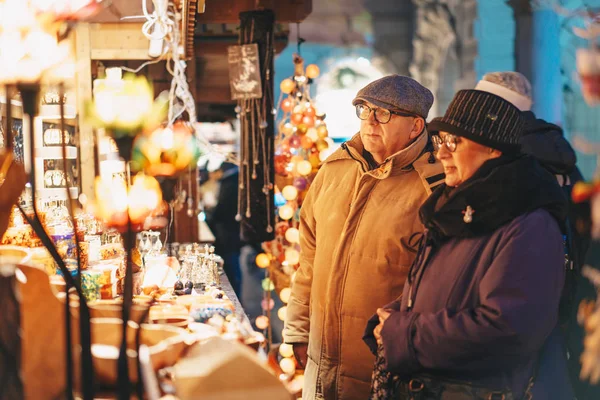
(292, 235)
(285, 294)
(287, 105)
(115, 203)
(287, 86)
(167, 151)
(308, 120)
(312, 134)
(145, 196)
(288, 365)
(286, 212)
(304, 167)
(289, 193)
(312, 71)
(262, 322)
(309, 111)
(282, 313)
(322, 131)
(306, 142)
(286, 350)
(297, 118)
(263, 260)
(287, 129)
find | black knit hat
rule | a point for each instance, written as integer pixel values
(483, 118)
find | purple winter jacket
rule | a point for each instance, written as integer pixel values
(483, 310)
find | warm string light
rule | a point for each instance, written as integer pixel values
(302, 143)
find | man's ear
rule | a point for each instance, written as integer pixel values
(417, 128)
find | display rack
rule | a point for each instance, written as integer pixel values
(50, 179)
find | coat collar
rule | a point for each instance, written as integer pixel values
(393, 165)
(501, 190)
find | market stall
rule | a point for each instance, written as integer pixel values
(108, 304)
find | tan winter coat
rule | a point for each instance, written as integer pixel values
(355, 228)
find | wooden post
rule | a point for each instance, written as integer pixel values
(84, 93)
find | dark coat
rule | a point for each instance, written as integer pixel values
(222, 220)
(546, 142)
(483, 299)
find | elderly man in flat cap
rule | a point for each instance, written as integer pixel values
(356, 225)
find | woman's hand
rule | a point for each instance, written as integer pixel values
(383, 316)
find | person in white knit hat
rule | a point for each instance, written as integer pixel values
(541, 139)
(546, 142)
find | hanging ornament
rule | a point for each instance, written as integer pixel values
(288, 366)
(286, 212)
(262, 322)
(292, 235)
(267, 305)
(286, 350)
(289, 193)
(282, 313)
(287, 104)
(304, 168)
(300, 140)
(287, 86)
(312, 71)
(268, 285)
(263, 260)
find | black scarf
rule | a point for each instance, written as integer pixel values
(501, 190)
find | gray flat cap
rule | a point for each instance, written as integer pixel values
(397, 92)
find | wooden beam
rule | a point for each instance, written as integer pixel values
(227, 11)
(84, 93)
(118, 41)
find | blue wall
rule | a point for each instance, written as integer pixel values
(546, 78)
(494, 31)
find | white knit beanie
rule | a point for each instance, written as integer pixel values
(511, 86)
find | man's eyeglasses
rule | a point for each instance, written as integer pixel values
(382, 115)
(449, 140)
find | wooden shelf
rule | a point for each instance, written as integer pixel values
(55, 153)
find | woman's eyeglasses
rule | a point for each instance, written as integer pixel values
(382, 115)
(449, 140)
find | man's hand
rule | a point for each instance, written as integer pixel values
(301, 353)
(383, 316)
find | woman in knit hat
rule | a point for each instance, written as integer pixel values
(478, 315)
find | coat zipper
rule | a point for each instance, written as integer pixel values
(362, 165)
